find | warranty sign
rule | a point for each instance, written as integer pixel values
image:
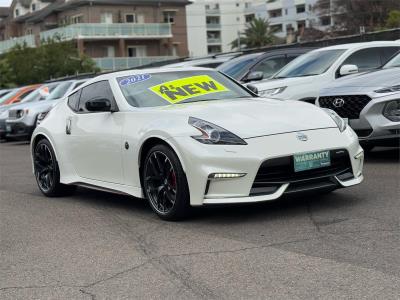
(181, 89)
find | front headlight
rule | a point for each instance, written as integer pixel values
(391, 89)
(341, 124)
(213, 134)
(21, 112)
(392, 111)
(272, 92)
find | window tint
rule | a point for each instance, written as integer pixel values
(365, 59)
(96, 90)
(25, 94)
(270, 66)
(388, 53)
(73, 100)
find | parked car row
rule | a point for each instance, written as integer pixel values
(360, 82)
(24, 107)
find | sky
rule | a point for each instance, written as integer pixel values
(5, 2)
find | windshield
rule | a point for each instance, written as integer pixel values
(312, 63)
(59, 91)
(41, 93)
(166, 88)
(237, 67)
(393, 63)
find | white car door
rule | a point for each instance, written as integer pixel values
(94, 138)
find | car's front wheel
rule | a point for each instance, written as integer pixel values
(165, 184)
(46, 171)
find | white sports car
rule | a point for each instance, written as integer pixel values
(190, 137)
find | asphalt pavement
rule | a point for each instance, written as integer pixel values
(96, 245)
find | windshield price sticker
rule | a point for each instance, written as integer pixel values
(179, 90)
(134, 79)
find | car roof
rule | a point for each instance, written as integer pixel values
(117, 74)
(360, 45)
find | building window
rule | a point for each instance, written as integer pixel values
(17, 12)
(33, 6)
(247, 5)
(214, 49)
(325, 21)
(237, 4)
(286, 11)
(130, 18)
(249, 18)
(300, 8)
(275, 13)
(77, 19)
(137, 51)
(29, 31)
(277, 28)
(207, 7)
(169, 16)
(301, 25)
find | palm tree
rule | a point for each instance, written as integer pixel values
(257, 34)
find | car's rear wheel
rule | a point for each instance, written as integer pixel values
(165, 184)
(46, 171)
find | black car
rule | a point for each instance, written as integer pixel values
(261, 65)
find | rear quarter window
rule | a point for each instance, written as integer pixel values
(73, 100)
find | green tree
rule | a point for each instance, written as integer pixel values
(257, 34)
(393, 20)
(52, 59)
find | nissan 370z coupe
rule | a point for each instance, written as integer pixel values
(190, 137)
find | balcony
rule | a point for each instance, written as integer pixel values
(110, 31)
(6, 45)
(120, 63)
(213, 26)
(214, 40)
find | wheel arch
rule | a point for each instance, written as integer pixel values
(40, 136)
(151, 142)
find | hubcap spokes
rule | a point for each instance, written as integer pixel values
(160, 182)
(44, 167)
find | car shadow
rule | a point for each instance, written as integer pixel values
(381, 154)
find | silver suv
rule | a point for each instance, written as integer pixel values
(22, 119)
(370, 102)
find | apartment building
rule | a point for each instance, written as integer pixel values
(115, 33)
(213, 25)
(287, 16)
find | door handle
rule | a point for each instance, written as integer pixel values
(68, 127)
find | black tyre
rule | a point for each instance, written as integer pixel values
(46, 171)
(165, 184)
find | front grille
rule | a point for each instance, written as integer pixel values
(12, 114)
(275, 172)
(351, 106)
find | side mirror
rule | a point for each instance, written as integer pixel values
(98, 104)
(252, 88)
(348, 69)
(254, 76)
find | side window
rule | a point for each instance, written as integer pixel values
(73, 100)
(95, 90)
(388, 52)
(270, 66)
(365, 59)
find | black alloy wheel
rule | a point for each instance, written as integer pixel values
(46, 171)
(165, 183)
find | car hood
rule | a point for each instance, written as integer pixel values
(256, 116)
(275, 83)
(365, 82)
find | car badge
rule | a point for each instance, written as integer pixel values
(338, 102)
(302, 137)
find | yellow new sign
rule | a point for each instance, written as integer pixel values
(184, 88)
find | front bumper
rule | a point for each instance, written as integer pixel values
(199, 161)
(18, 130)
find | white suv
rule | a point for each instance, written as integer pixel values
(303, 78)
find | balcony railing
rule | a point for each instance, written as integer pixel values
(119, 63)
(213, 11)
(98, 31)
(213, 26)
(213, 40)
(6, 45)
